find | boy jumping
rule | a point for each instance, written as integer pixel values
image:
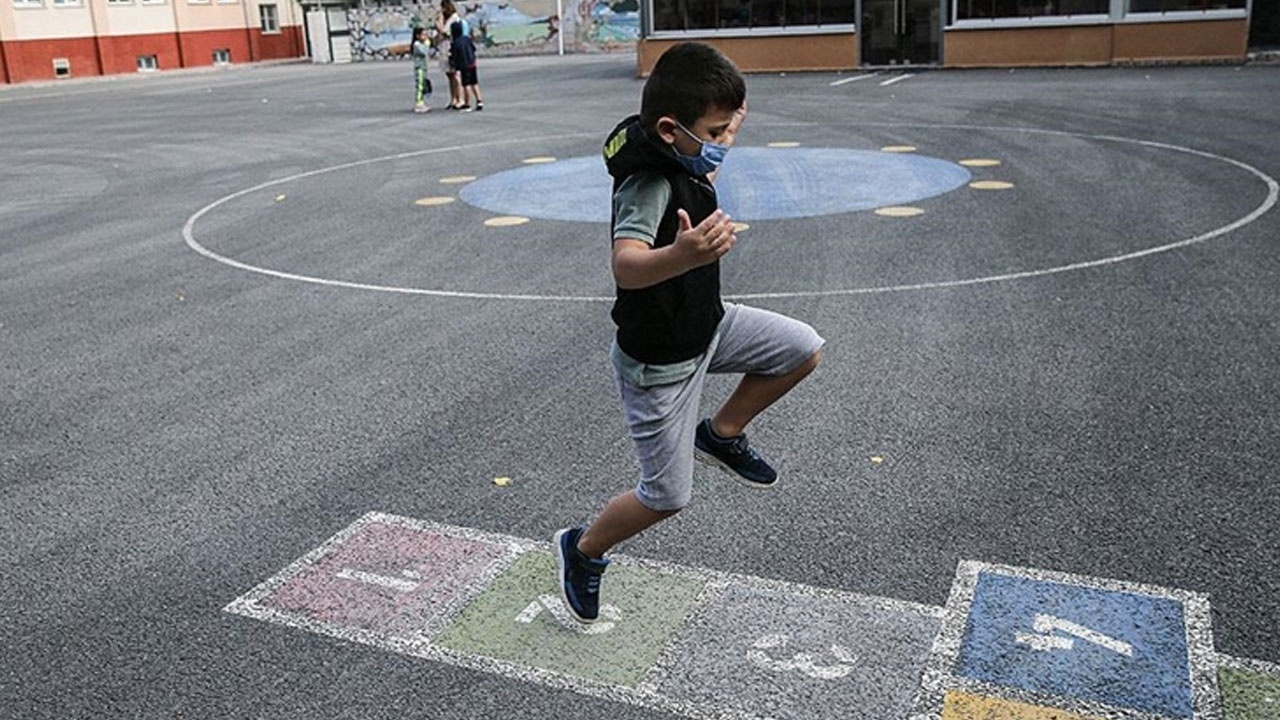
(669, 234)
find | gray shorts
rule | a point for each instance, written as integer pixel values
(662, 418)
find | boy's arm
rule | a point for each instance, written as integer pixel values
(636, 264)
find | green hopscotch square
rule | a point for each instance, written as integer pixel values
(1248, 695)
(652, 606)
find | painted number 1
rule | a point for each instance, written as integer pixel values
(1045, 639)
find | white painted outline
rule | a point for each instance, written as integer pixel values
(855, 78)
(938, 679)
(644, 694)
(897, 79)
(1273, 193)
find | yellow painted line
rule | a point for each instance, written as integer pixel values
(898, 148)
(457, 179)
(539, 159)
(784, 144)
(506, 221)
(990, 185)
(433, 201)
(980, 162)
(739, 226)
(963, 706)
(899, 211)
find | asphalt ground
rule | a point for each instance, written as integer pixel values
(1009, 377)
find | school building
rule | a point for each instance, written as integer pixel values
(50, 39)
(781, 35)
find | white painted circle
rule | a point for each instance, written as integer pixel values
(1273, 193)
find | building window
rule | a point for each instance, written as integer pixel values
(66, 3)
(221, 57)
(28, 3)
(119, 2)
(682, 15)
(153, 2)
(1003, 9)
(148, 63)
(270, 19)
(1168, 6)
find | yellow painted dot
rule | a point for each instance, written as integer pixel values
(876, 459)
(740, 226)
(979, 162)
(539, 159)
(990, 185)
(502, 481)
(506, 221)
(432, 201)
(784, 144)
(899, 211)
(457, 179)
(898, 148)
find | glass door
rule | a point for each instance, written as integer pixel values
(900, 32)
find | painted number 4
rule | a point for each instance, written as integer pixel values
(1044, 637)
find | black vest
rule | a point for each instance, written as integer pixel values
(674, 320)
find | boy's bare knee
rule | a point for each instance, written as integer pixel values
(809, 365)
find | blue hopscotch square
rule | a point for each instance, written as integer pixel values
(1119, 648)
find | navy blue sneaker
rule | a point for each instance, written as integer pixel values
(579, 577)
(733, 455)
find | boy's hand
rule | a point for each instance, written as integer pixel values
(708, 241)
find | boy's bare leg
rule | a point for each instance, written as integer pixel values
(622, 518)
(755, 393)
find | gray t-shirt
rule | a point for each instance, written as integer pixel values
(638, 207)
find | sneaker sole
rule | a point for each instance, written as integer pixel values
(710, 460)
(562, 571)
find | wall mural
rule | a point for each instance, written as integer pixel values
(515, 27)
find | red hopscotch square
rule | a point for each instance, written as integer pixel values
(386, 578)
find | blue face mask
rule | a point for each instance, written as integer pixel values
(709, 156)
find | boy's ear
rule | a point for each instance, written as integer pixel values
(666, 127)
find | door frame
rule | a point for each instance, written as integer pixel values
(860, 37)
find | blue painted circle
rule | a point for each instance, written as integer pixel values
(754, 184)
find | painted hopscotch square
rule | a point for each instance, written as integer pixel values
(959, 705)
(1124, 649)
(520, 619)
(1249, 694)
(380, 579)
(786, 654)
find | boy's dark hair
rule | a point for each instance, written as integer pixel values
(688, 80)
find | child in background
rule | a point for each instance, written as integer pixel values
(422, 86)
(464, 62)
